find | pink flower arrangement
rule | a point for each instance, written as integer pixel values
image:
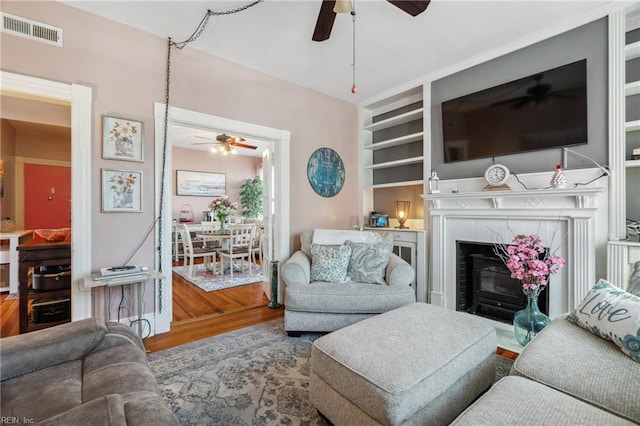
(222, 207)
(529, 262)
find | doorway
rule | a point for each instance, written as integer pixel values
(278, 223)
(80, 99)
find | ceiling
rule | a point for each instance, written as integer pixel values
(392, 47)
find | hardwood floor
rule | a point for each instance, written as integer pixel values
(196, 314)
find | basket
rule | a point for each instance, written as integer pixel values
(186, 213)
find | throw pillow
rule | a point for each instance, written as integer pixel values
(368, 262)
(613, 314)
(329, 263)
(634, 281)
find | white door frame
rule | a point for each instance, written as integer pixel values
(164, 184)
(80, 98)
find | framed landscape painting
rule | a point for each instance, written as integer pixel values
(202, 184)
(121, 139)
(121, 191)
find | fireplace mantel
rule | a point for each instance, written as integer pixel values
(564, 218)
(535, 198)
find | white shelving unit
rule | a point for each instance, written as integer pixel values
(392, 129)
(624, 199)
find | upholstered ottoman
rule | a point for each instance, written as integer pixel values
(418, 364)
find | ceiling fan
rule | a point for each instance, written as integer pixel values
(329, 8)
(227, 143)
(537, 94)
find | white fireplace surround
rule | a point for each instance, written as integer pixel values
(565, 219)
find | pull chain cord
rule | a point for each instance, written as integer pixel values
(178, 45)
(354, 89)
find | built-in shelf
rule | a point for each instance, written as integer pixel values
(396, 163)
(632, 163)
(632, 51)
(396, 184)
(402, 140)
(632, 126)
(395, 121)
(632, 88)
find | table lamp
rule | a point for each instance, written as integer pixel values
(402, 212)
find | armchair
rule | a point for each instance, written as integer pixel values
(80, 373)
(322, 305)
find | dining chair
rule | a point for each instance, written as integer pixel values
(256, 246)
(240, 243)
(190, 252)
(210, 226)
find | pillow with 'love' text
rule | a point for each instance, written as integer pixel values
(613, 314)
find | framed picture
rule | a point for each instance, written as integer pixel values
(203, 184)
(121, 191)
(121, 139)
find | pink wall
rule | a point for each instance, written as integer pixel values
(236, 168)
(126, 70)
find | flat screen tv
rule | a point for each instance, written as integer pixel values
(542, 111)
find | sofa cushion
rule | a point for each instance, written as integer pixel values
(634, 280)
(583, 365)
(347, 298)
(329, 263)
(43, 393)
(368, 262)
(118, 378)
(518, 401)
(613, 314)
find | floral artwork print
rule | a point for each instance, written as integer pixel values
(122, 134)
(529, 262)
(122, 139)
(121, 191)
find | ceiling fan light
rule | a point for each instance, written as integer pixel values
(343, 6)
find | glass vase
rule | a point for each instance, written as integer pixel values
(222, 219)
(529, 321)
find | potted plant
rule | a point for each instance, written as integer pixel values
(251, 197)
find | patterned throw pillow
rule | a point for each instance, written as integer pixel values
(368, 262)
(634, 281)
(329, 263)
(613, 314)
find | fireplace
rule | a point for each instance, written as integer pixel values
(484, 284)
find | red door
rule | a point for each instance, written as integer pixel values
(47, 196)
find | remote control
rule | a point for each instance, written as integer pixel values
(122, 268)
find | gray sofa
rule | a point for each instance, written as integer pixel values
(328, 306)
(81, 373)
(566, 375)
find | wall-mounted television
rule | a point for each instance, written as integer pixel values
(542, 111)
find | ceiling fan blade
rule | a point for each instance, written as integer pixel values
(512, 100)
(204, 143)
(324, 24)
(242, 145)
(522, 102)
(412, 7)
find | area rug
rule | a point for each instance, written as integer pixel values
(254, 376)
(210, 282)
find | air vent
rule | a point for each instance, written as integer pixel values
(33, 30)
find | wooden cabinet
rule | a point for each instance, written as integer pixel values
(39, 253)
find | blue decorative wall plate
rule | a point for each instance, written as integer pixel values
(325, 171)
